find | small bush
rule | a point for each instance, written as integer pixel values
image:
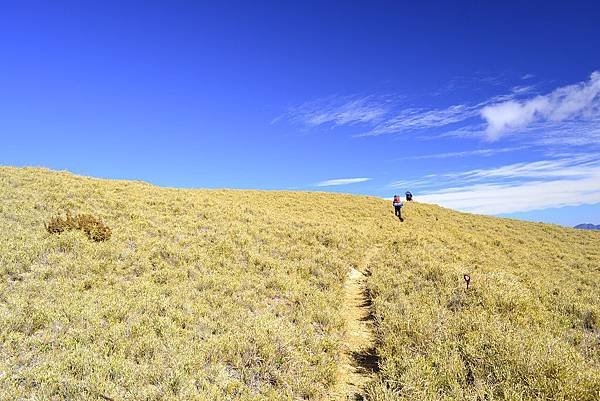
(90, 225)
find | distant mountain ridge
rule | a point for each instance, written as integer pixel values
(588, 226)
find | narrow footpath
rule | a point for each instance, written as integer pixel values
(359, 359)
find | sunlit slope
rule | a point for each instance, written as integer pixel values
(221, 294)
(528, 327)
(197, 294)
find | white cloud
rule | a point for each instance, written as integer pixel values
(510, 115)
(579, 101)
(517, 187)
(341, 181)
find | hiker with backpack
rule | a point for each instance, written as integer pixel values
(408, 196)
(397, 203)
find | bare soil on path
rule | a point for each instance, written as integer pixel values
(359, 362)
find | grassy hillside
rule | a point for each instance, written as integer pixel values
(527, 327)
(205, 295)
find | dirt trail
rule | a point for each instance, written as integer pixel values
(359, 360)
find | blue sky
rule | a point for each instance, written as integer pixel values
(485, 108)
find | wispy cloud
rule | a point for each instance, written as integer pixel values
(566, 116)
(520, 90)
(534, 195)
(338, 111)
(568, 133)
(476, 82)
(418, 119)
(410, 184)
(466, 153)
(580, 101)
(568, 167)
(341, 181)
(516, 187)
(379, 114)
(527, 76)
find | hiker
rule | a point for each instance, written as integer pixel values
(408, 196)
(398, 207)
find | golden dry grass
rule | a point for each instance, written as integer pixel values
(197, 294)
(238, 295)
(528, 328)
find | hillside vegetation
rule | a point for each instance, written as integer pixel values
(239, 295)
(527, 328)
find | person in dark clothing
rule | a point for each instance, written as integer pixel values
(397, 203)
(408, 196)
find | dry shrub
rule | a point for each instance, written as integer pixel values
(95, 229)
(57, 224)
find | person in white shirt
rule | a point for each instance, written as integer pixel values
(397, 203)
